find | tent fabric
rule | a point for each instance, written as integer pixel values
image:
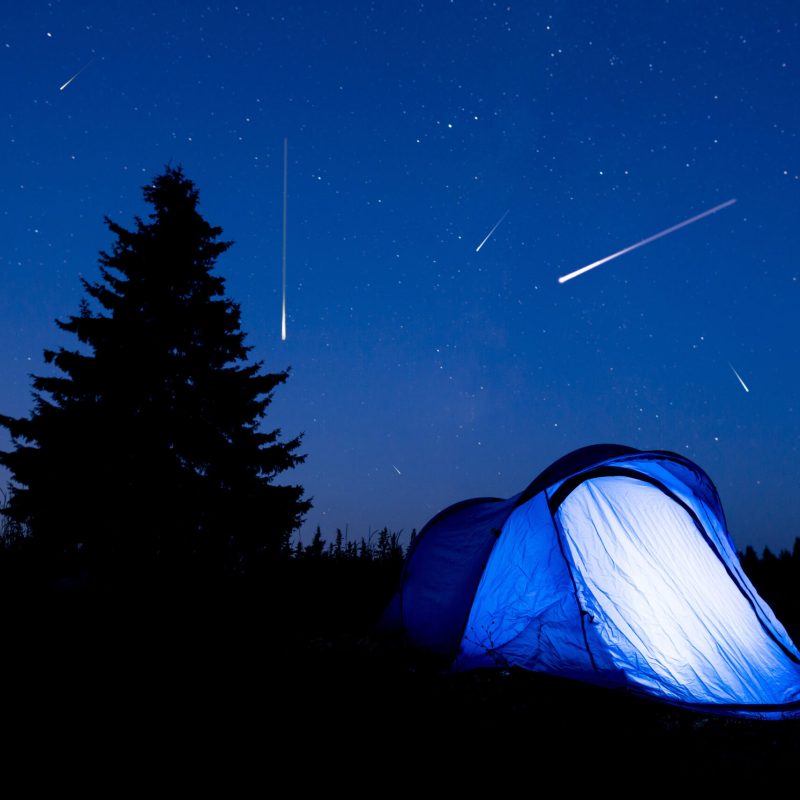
(615, 567)
(443, 576)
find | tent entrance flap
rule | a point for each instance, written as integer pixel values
(659, 602)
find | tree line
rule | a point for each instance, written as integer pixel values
(777, 578)
(382, 545)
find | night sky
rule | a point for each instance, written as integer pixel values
(424, 372)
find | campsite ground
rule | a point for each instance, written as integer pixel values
(293, 679)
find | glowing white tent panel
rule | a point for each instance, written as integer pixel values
(661, 601)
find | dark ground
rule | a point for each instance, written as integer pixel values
(290, 678)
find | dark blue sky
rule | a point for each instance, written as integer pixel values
(412, 129)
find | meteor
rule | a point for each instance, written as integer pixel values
(488, 235)
(744, 385)
(565, 278)
(285, 187)
(397, 470)
(64, 85)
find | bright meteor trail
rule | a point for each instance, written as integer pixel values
(64, 85)
(744, 385)
(565, 278)
(488, 235)
(283, 260)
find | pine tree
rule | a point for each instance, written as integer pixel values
(317, 547)
(145, 456)
(337, 548)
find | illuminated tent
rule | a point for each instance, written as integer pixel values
(613, 567)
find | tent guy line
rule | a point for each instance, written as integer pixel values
(571, 275)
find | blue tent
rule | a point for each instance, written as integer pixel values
(613, 567)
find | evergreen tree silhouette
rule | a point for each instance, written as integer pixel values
(317, 547)
(145, 457)
(337, 546)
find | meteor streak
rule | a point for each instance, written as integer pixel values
(397, 470)
(565, 278)
(64, 85)
(488, 235)
(744, 385)
(283, 260)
